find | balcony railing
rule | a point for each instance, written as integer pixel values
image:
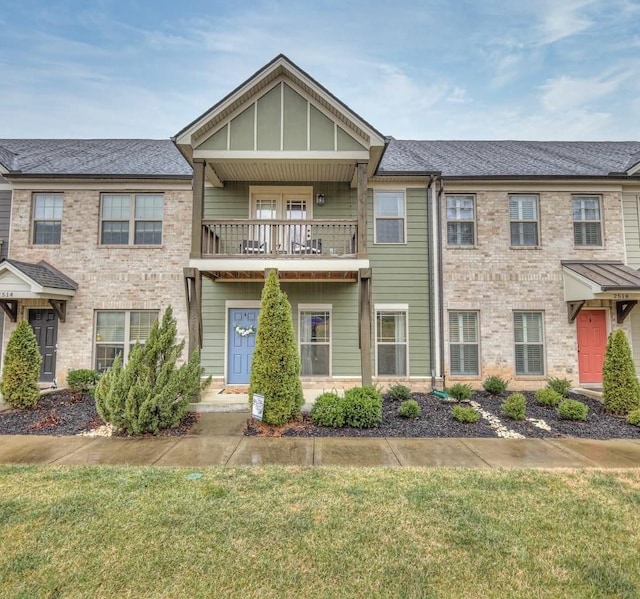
(279, 238)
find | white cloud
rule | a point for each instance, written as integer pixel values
(562, 19)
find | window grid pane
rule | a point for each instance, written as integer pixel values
(47, 218)
(463, 343)
(389, 209)
(315, 342)
(529, 344)
(391, 343)
(523, 213)
(587, 227)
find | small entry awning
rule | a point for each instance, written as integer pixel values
(599, 280)
(23, 280)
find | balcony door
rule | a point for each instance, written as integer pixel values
(281, 204)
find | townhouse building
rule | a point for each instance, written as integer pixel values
(413, 261)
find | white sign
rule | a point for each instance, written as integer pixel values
(258, 406)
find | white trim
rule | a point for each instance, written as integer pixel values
(316, 308)
(401, 308)
(252, 155)
(634, 169)
(281, 264)
(36, 290)
(396, 307)
(543, 319)
(228, 306)
(404, 217)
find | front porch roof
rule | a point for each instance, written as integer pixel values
(599, 280)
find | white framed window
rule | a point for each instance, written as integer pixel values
(464, 347)
(47, 218)
(389, 212)
(392, 340)
(523, 214)
(117, 331)
(587, 223)
(314, 333)
(461, 219)
(131, 219)
(529, 343)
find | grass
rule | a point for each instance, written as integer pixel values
(318, 532)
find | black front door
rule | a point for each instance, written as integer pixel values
(45, 326)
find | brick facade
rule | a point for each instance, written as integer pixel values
(108, 278)
(495, 279)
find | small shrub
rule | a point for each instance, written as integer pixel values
(399, 392)
(21, 368)
(460, 391)
(495, 385)
(560, 386)
(515, 406)
(465, 414)
(328, 410)
(83, 379)
(570, 409)
(620, 388)
(634, 417)
(548, 397)
(409, 409)
(362, 407)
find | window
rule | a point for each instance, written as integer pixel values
(391, 342)
(463, 343)
(389, 214)
(47, 218)
(529, 344)
(315, 341)
(460, 220)
(587, 228)
(131, 219)
(117, 332)
(523, 213)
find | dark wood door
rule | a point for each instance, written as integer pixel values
(45, 326)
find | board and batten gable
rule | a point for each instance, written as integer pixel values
(5, 226)
(631, 211)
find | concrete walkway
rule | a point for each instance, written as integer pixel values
(217, 440)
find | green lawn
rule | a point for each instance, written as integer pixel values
(318, 532)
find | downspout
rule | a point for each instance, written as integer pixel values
(431, 284)
(440, 280)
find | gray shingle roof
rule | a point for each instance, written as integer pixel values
(608, 275)
(86, 157)
(44, 274)
(510, 158)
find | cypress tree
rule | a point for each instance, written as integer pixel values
(275, 370)
(21, 372)
(620, 388)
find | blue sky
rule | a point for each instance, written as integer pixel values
(416, 69)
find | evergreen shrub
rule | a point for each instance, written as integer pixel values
(409, 408)
(21, 371)
(460, 391)
(495, 385)
(515, 406)
(561, 386)
(150, 392)
(362, 407)
(548, 397)
(399, 392)
(620, 389)
(570, 409)
(327, 410)
(634, 417)
(83, 379)
(465, 414)
(275, 369)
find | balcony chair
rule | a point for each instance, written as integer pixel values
(252, 246)
(310, 246)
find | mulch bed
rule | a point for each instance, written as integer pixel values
(436, 421)
(66, 412)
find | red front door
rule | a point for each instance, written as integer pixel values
(592, 342)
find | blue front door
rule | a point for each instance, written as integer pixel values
(243, 324)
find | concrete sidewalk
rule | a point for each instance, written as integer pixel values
(217, 440)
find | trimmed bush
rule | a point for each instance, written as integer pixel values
(328, 410)
(83, 379)
(150, 393)
(409, 409)
(21, 372)
(465, 414)
(515, 406)
(548, 397)
(560, 386)
(275, 370)
(634, 417)
(620, 389)
(460, 391)
(362, 407)
(495, 385)
(570, 409)
(399, 392)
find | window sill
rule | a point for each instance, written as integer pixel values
(530, 377)
(130, 247)
(588, 247)
(525, 247)
(462, 247)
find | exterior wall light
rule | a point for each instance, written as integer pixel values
(319, 199)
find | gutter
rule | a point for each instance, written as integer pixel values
(440, 279)
(431, 284)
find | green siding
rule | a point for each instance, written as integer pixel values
(346, 142)
(242, 130)
(218, 141)
(295, 120)
(321, 131)
(269, 114)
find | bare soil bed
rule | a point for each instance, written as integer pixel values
(436, 421)
(67, 413)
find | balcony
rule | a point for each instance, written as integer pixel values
(285, 239)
